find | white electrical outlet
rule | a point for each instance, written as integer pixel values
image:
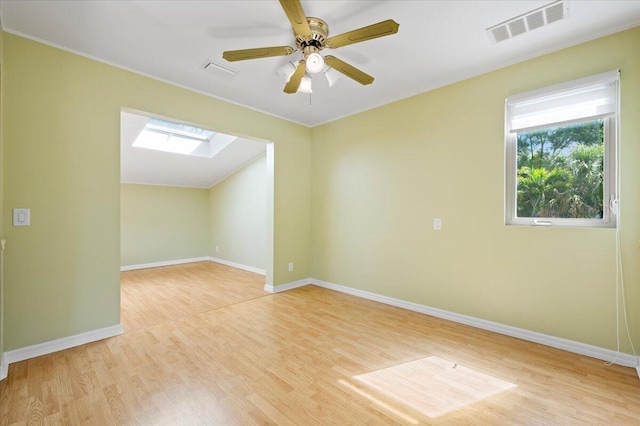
(290, 266)
(217, 249)
(437, 223)
(21, 217)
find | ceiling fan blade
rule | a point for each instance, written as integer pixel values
(348, 70)
(296, 16)
(294, 81)
(380, 29)
(261, 52)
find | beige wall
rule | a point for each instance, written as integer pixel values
(238, 216)
(162, 223)
(380, 177)
(61, 141)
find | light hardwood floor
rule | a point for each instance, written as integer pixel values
(305, 357)
(155, 295)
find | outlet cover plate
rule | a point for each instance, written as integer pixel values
(21, 217)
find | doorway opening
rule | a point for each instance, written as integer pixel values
(196, 204)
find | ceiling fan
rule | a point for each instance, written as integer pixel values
(312, 37)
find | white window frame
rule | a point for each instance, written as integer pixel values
(610, 172)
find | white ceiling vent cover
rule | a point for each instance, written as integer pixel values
(218, 70)
(529, 21)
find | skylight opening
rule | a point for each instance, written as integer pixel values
(160, 141)
(178, 138)
(172, 128)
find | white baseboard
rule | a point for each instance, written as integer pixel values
(163, 263)
(287, 286)
(4, 368)
(531, 336)
(237, 265)
(45, 348)
(192, 260)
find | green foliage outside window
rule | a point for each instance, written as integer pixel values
(561, 171)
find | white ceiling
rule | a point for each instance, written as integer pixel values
(146, 166)
(439, 42)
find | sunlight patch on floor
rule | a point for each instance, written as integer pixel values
(433, 385)
(379, 402)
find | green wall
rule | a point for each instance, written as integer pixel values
(61, 141)
(1, 196)
(380, 177)
(163, 223)
(370, 185)
(238, 216)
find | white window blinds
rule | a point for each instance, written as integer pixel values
(587, 98)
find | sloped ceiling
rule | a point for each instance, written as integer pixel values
(145, 166)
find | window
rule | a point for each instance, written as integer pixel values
(561, 150)
(178, 138)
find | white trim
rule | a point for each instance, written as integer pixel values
(163, 263)
(237, 265)
(4, 368)
(287, 286)
(531, 336)
(51, 346)
(193, 260)
(123, 182)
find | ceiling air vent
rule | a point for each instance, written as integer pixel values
(218, 70)
(529, 21)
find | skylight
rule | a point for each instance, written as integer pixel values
(178, 138)
(170, 127)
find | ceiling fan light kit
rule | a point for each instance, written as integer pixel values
(315, 63)
(331, 75)
(286, 71)
(305, 85)
(311, 37)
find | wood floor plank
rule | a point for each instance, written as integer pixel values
(154, 295)
(224, 352)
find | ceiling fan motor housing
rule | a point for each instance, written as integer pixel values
(315, 43)
(312, 36)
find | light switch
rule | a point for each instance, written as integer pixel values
(21, 217)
